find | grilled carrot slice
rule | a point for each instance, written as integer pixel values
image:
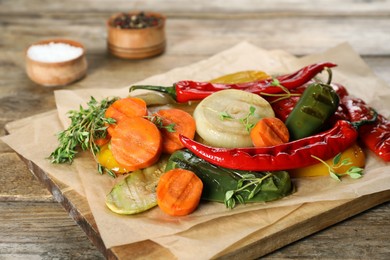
(178, 192)
(125, 108)
(269, 132)
(173, 123)
(136, 143)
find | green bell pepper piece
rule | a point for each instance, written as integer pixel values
(217, 181)
(316, 105)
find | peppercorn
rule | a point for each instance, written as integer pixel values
(135, 21)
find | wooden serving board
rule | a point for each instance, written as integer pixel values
(306, 220)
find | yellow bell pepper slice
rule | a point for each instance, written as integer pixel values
(106, 159)
(241, 77)
(354, 154)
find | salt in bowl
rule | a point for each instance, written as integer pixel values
(56, 62)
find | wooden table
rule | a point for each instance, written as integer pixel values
(32, 224)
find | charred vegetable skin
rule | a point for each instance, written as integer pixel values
(286, 156)
(284, 107)
(317, 104)
(217, 180)
(184, 91)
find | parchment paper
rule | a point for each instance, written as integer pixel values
(184, 236)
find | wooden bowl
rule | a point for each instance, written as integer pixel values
(136, 43)
(60, 73)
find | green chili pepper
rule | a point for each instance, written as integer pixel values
(243, 186)
(317, 104)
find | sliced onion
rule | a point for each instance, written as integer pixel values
(213, 122)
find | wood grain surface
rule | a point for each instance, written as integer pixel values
(34, 226)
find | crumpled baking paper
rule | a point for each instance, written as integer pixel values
(212, 228)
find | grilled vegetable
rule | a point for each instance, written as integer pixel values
(269, 132)
(137, 192)
(241, 77)
(228, 186)
(317, 104)
(179, 192)
(286, 156)
(353, 157)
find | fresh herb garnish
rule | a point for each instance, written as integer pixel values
(225, 115)
(287, 94)
(275, 82)
(354, 172)
(101, 169)
(87, 125)
(245, 120)
(248, 183)
(158, 121)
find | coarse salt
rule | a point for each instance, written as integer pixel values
(54, 52)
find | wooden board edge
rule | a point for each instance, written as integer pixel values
(76, 205)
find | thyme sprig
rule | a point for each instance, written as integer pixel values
(287, 94)
(245, 120)
(248, 183)
(158, 121)
(354, 172)
(87, 125)
(225, 115)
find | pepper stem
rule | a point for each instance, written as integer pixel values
(171, 90)
(330, 75)
(281, 96)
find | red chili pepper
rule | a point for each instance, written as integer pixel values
(286, 156)
(187, 90)
(376, 136)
